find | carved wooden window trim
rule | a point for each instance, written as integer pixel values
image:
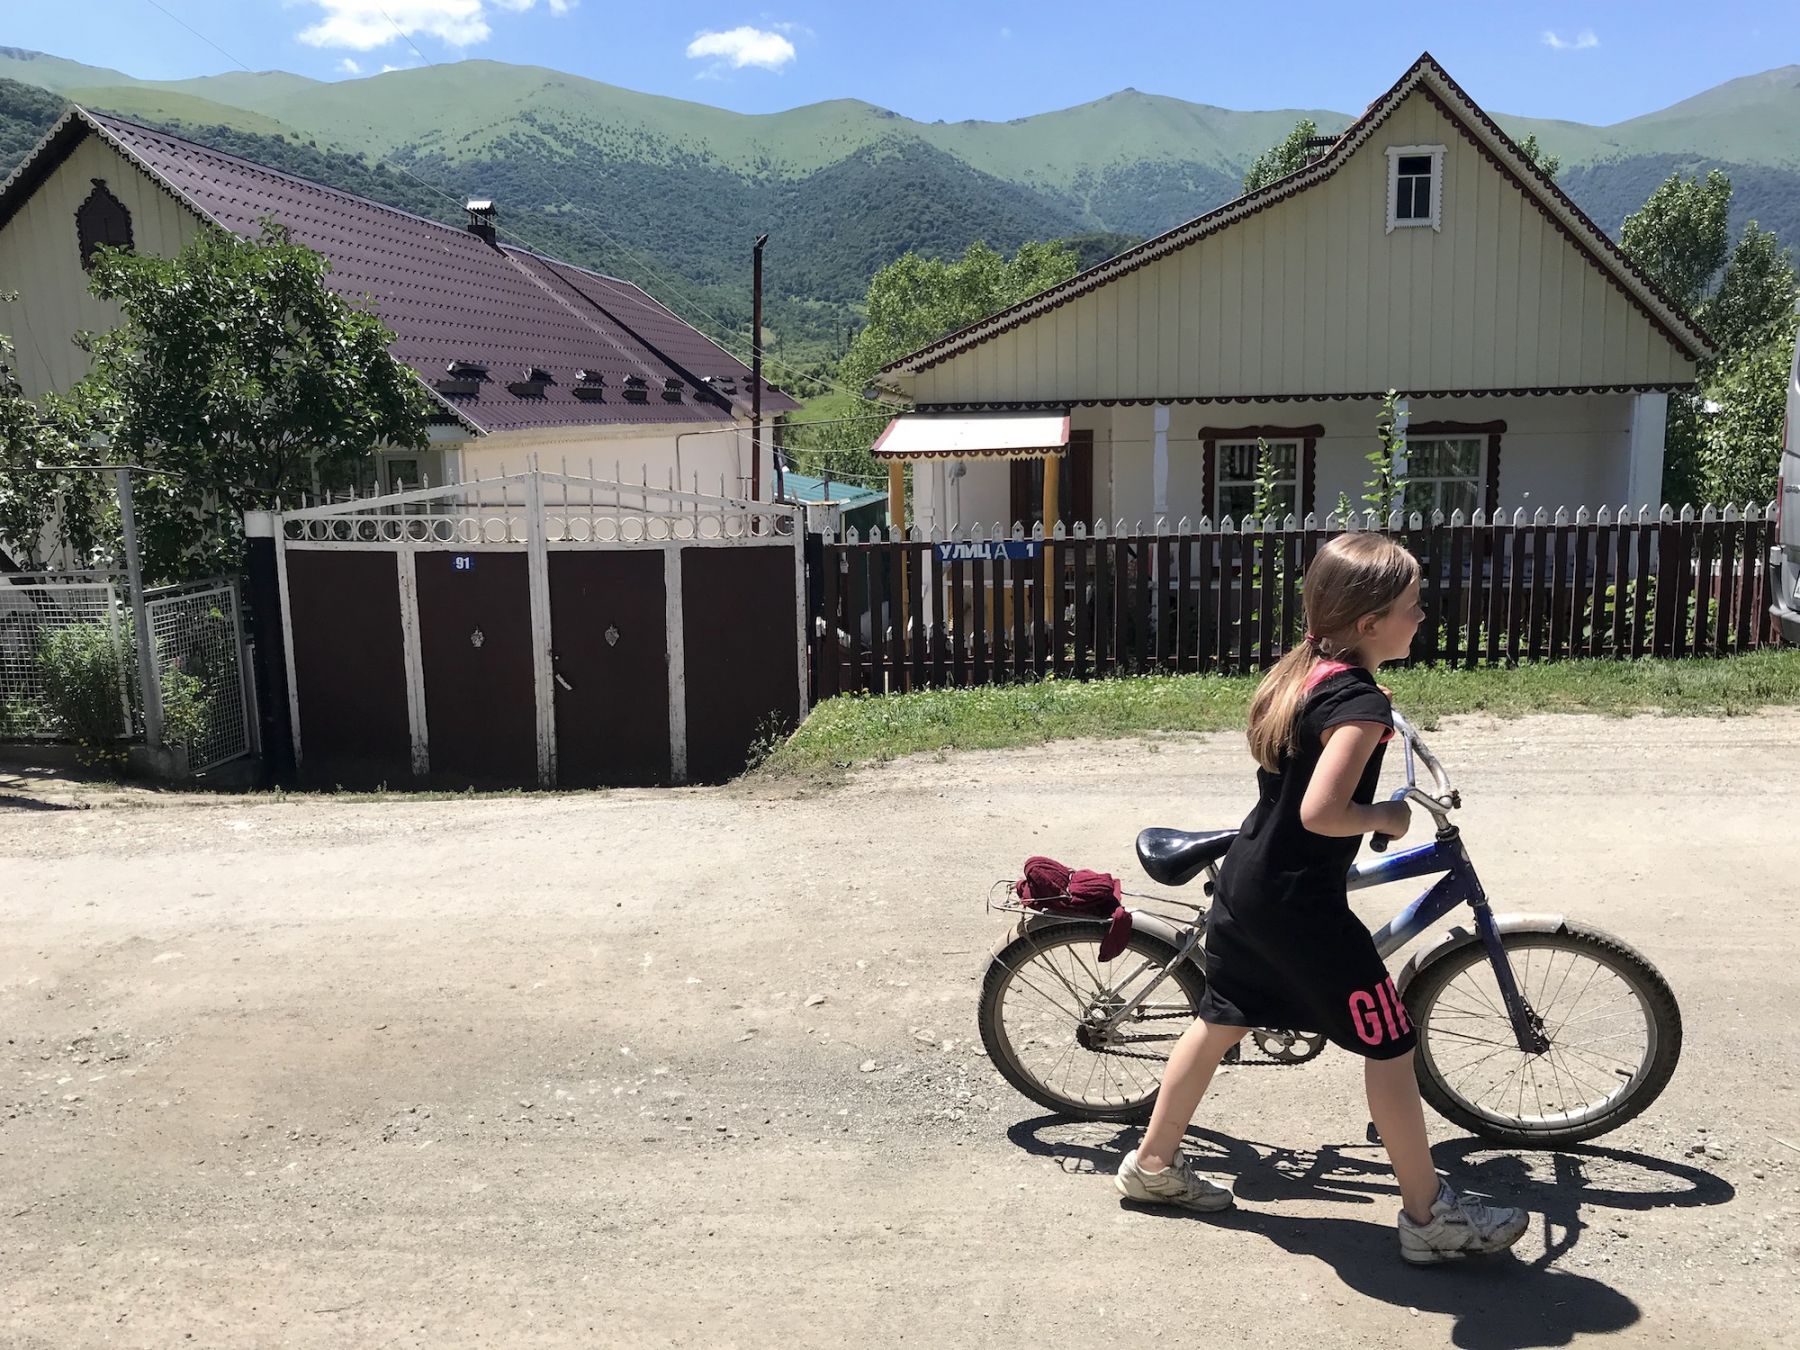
(1307, 436)
(1492, 430)
(101, 220)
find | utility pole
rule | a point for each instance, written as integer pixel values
(756, 378)
(134, 580)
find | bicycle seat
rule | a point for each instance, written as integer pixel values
(1176, 857)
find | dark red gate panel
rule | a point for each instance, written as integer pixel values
(609, 636)
(741, 655)
(475, 653)
(349, 667)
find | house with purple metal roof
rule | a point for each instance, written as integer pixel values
(525, 355)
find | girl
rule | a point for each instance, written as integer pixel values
(1282, 946)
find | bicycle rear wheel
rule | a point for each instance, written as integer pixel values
(1613, 1024)
(1041, 1004)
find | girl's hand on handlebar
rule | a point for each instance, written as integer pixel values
(1393, 819)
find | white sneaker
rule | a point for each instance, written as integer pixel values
(1460, 1226)
(1176, 1184)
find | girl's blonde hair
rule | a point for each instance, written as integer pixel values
(1354, 575)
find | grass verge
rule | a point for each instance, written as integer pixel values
(861, 729)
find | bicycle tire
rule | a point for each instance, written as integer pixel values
(1004, 1055)
(1655, 1000)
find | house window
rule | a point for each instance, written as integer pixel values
(1415, 186)
(402, 474)
(1442, 473)
(1236, 475)
(101, 220)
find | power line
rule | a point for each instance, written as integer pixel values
(404, 34)
(202, 36)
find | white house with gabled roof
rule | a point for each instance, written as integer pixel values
(1422, 252)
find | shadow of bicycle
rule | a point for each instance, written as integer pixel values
(1505, 1304)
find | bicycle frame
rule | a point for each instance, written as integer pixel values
(1457, 886)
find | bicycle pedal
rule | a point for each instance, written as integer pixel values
(1233, 1056)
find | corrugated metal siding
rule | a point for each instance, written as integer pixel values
(1314, 296)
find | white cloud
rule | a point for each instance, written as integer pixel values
(364, 25)
(386, 69)
(1579, 43)
(349, 67)
(740, 47)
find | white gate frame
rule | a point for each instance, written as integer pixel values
(554, 512)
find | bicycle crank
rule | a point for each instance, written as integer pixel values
(1288, 1047)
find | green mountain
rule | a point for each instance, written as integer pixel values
(669, 192)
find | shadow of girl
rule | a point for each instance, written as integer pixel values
(1498, 1304)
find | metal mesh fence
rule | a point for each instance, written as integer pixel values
(197, 635)
(44, 616)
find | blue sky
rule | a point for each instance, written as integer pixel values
(954, 59)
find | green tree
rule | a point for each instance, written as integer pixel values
(1739, 445)
(1550, 164)
(914, 301)
(241, 377)
(1756, 293)
(1679, 237)
(1289, 154)
(41, 506)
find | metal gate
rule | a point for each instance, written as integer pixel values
(197, 657)
(538, 628)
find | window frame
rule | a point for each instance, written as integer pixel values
(1394, 155)
(1307, 461)
(1476, 481)
(1221, 482)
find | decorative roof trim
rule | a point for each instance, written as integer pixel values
(1668, 318)
(1184, 400)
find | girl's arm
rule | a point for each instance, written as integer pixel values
(1327, 808)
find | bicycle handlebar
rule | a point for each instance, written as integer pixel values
(1439, 805)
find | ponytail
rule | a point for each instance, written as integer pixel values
(1275, 710)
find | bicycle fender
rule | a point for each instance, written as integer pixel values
(1461, 936)
(1142, 921)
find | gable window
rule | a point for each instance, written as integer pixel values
(1236, 478)
(1442, 473)
(1415, 186)
(101, 220)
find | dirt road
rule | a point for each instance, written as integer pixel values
(556, 1071)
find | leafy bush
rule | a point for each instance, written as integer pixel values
(185, 705)
(19, 720)
(82, 665)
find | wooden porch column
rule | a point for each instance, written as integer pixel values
(897, 519)
(897, 494)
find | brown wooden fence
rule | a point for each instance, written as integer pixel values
(897, 613)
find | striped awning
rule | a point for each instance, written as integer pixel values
(974, 436)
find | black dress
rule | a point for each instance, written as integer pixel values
(1283, 949)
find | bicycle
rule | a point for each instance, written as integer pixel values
(1501, 1006)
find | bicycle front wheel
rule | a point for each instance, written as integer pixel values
(1612, 1021)
(1044, 1005)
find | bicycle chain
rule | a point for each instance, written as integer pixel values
(1267, 1062)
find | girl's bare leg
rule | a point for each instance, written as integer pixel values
(1184, 1083)
(1399, 1117)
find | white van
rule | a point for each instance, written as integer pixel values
(1785, 563)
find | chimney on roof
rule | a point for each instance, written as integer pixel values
(481, 217)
